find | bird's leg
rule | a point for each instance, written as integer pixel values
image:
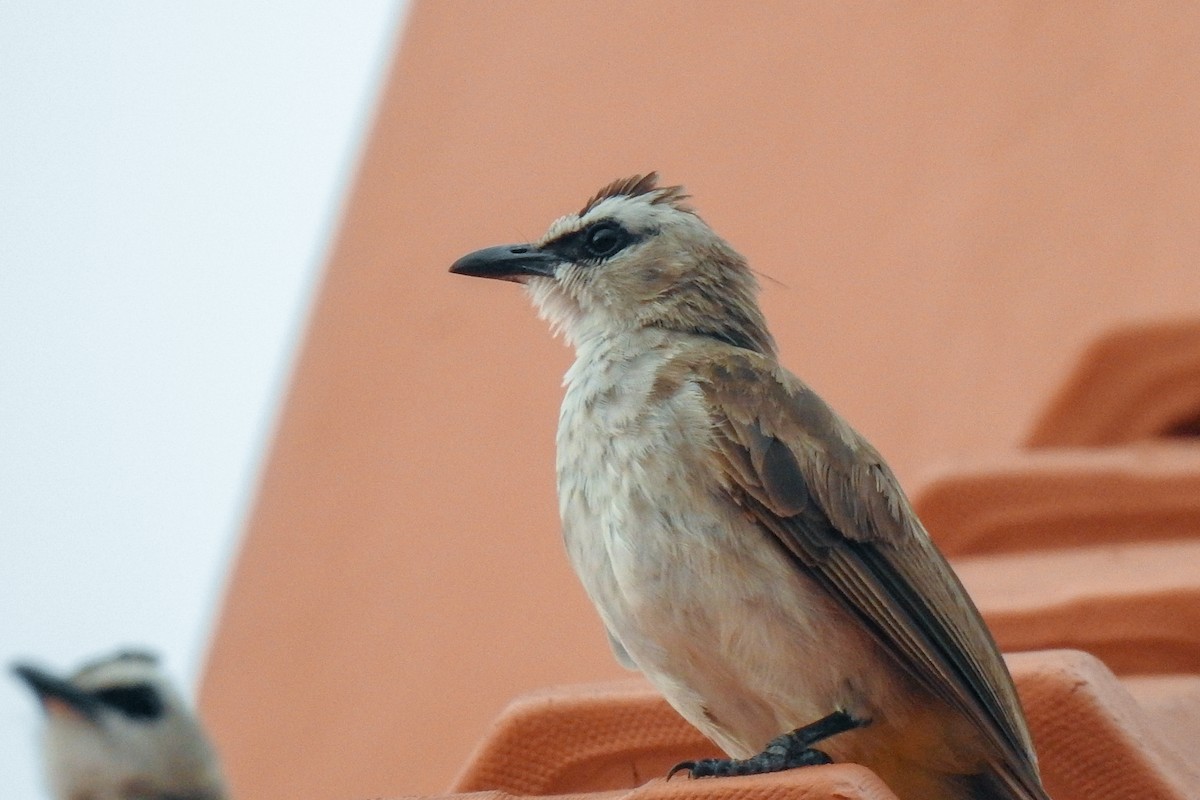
(783, 752)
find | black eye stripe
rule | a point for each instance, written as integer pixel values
(595, 243)
(136, 701)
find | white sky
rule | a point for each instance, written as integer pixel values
(170, 176)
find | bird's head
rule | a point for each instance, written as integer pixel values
(117, 727)
(635, 256)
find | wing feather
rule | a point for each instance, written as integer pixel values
(826, 494)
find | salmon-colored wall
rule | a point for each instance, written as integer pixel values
(950, 200)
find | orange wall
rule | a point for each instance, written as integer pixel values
(951, 202)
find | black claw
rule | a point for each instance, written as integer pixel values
(783, 752)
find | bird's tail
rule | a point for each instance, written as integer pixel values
(1004, 785)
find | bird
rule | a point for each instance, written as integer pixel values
(116, 729)
(747, 549)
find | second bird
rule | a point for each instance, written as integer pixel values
(117, 729)
(747, 549)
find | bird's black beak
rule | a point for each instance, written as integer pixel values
(56, 693)
(508, 262)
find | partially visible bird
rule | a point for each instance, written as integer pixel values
(746, 548)
(117, 729)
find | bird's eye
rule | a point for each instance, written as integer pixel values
(604, 240)
(136, 701)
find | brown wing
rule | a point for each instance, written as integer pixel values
(826, 494)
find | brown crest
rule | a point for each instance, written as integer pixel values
(637, 185)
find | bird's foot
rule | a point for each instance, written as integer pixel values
(783, 752)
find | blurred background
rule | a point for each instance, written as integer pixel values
(954, 203)
(170, 175)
